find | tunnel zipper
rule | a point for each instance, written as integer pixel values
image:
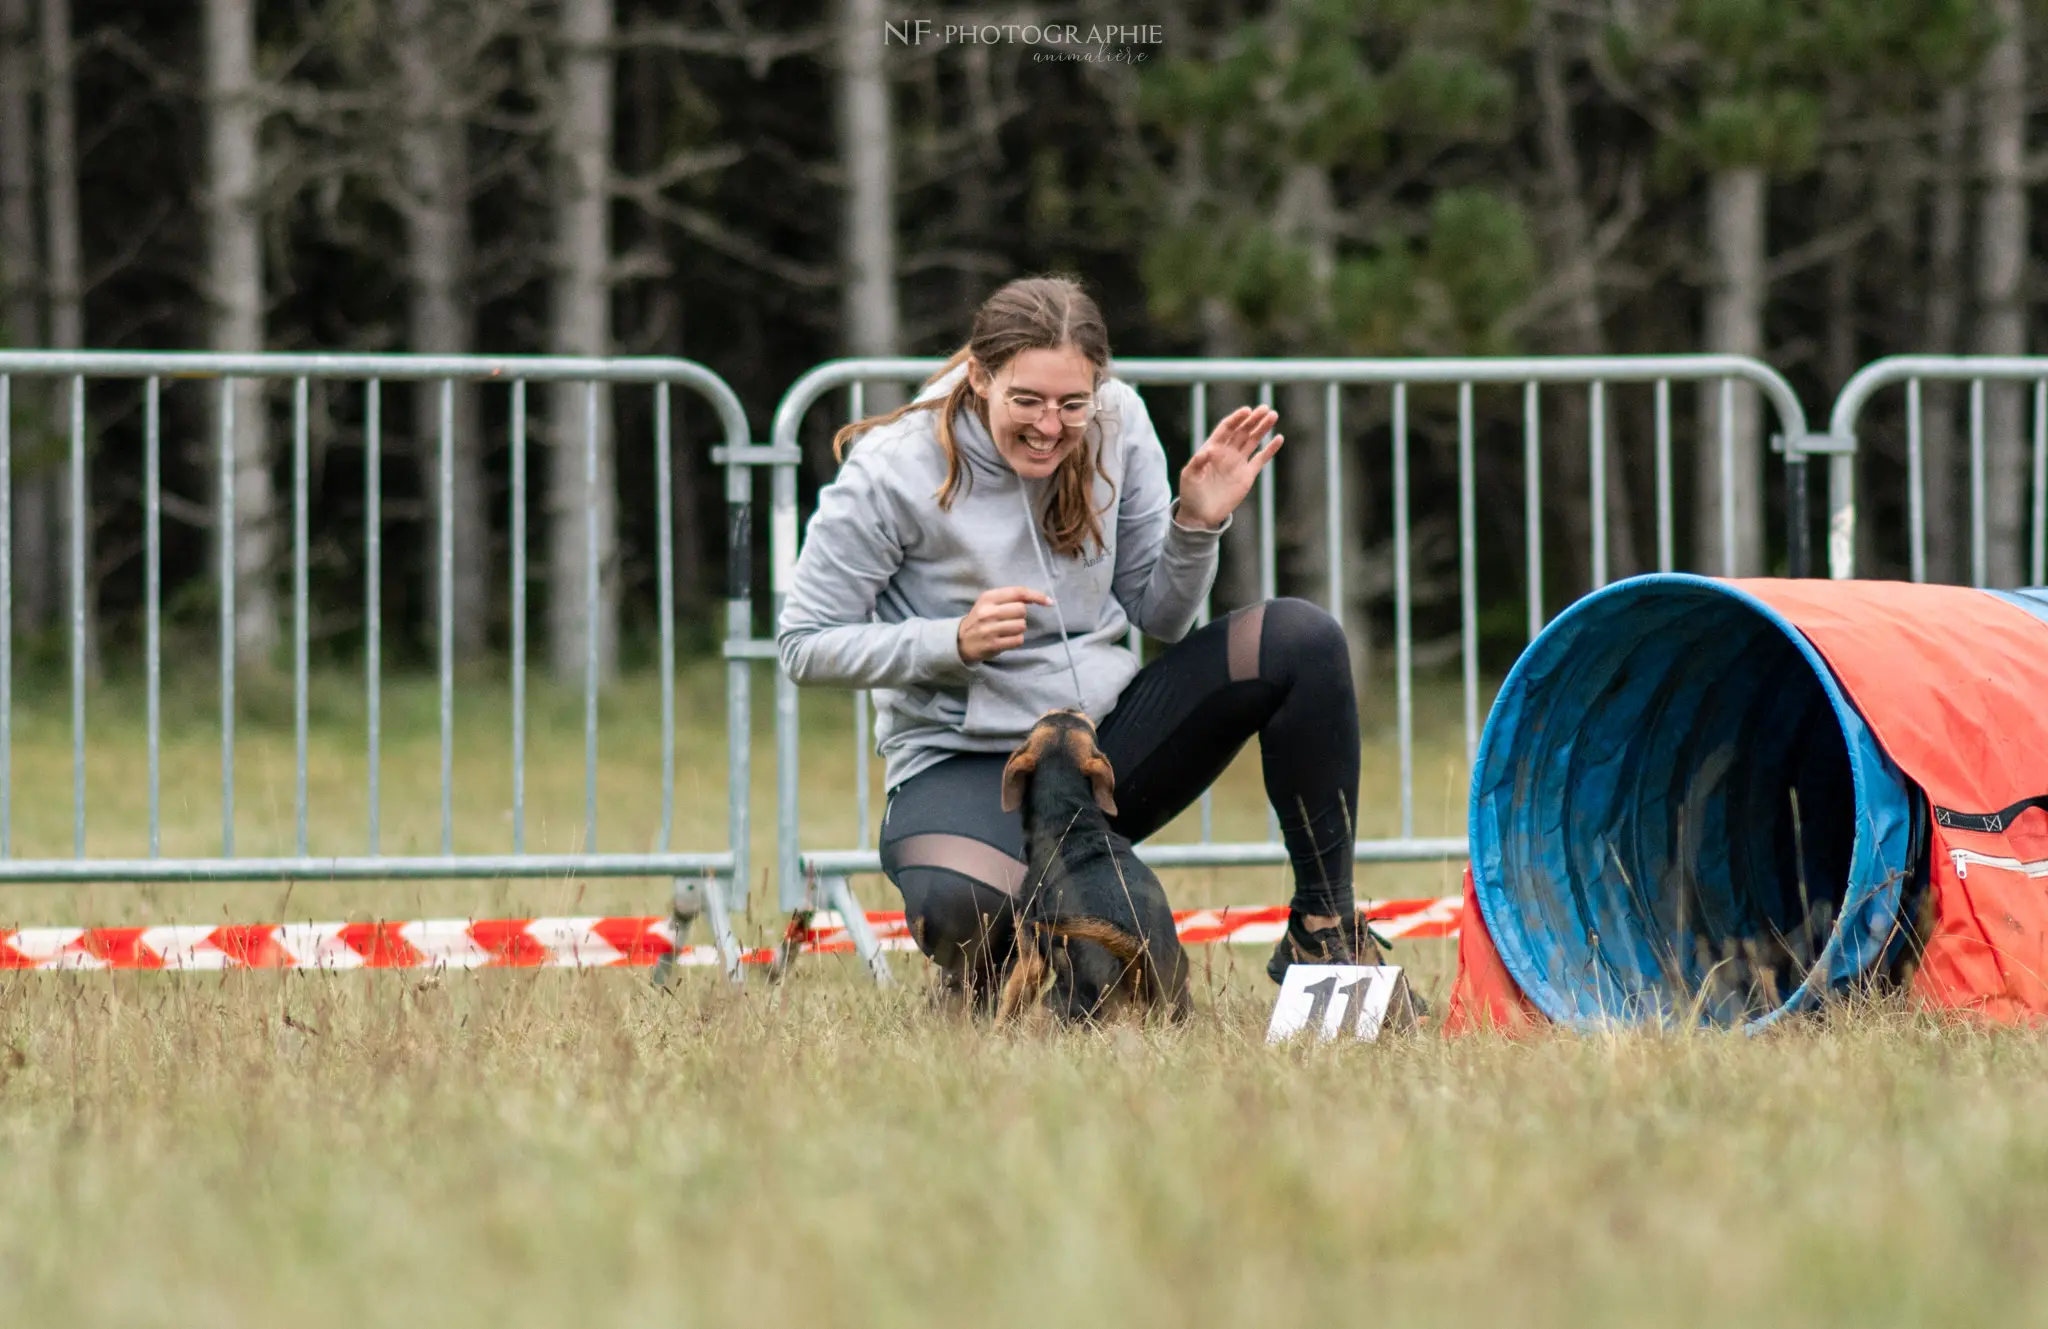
(1964, 857)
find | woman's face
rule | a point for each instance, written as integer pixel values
(1025, 399)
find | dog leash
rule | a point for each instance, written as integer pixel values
(1045, 570)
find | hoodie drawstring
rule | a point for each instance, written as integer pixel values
(1051, 592)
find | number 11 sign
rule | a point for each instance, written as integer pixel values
(1338, 1000)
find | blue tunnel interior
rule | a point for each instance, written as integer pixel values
(1677, 815)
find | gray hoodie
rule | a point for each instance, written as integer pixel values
(885, 577)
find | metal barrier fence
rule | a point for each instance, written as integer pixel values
(2028, 495)
(820, 875)
(69, 372)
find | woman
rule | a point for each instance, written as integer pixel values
(979, 561)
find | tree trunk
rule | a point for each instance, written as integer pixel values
(581, 325)
(21, 322)
(1358, 500)
(1735, 326)
(434, 156)
(1569, 238)
(1839, 337)
(1305, 214)
(1237, 578)
(1304, 545)
(689, 533)
(1842, 201)
(2001, 287)
(666, 315)
(1938, 456)
(60, 177)
(67, 317)
(235, 292)
(870, 314)
(974, 182)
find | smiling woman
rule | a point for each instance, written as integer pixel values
(979, 561)
(1047, 402)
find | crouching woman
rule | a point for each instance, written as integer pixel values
(979, 560)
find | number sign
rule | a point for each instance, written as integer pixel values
(1339, 1001)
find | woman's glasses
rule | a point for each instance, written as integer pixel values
(1026, 409)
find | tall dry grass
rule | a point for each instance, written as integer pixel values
(577, 1148)
(552, 1148)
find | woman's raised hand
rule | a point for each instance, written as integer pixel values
(996, 622)
(1221, 472)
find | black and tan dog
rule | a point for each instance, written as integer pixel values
(1095, 933)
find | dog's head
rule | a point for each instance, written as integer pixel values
(1060, 736)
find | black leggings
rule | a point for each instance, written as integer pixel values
(1280, 670)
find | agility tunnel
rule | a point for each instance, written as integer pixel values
(1718, 802)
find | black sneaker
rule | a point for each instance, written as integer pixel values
(1350, 942)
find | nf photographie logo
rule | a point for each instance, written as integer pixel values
(1054, 41)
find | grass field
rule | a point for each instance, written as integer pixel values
(578, 1148)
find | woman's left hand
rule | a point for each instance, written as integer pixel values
(1221, 472)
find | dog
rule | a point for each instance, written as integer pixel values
(1095, 933)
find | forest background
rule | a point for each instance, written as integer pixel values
(762, 186)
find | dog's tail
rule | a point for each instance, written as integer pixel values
(1155, 988)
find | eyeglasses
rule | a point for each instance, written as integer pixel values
(1026, 409)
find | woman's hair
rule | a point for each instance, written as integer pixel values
(1030, 314)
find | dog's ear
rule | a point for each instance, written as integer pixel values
(1015, 773)
(1099, 774)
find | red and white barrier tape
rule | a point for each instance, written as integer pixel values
(581, 943)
